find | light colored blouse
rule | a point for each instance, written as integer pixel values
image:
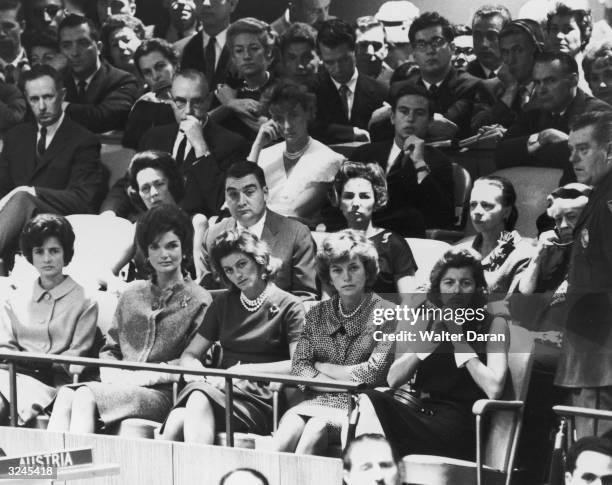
(58, 321)
(319, 164)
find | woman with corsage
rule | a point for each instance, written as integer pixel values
(505, 254)
(338, 343)
(257, 326)
(450, 374)
(154, 322)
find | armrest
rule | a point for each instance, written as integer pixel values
(483, 406)
(582, 412)
(446, 235)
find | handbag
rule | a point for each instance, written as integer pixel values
(408, 399)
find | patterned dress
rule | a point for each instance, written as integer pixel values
(331, 338)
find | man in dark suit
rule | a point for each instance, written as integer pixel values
(289, 240)
(419, 178)
(202, 149)
(539, 136)
(346, 98)
(98, 95)
(13, 59)
(207, 51)
(52, 165)
(451, 91)
(487, 23)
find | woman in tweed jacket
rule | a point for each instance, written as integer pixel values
(154, 322)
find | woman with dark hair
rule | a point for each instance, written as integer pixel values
(154, 322)
(504, 253)
(451, 370)
(156, 62)
(337, 343)
(360, 190)
(257, 325)
(252, 46)
(298, 170)
(53, 316)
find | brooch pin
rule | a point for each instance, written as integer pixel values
(273, 310)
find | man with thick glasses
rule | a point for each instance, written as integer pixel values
(44, 14)
(203, 150)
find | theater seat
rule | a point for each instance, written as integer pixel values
(116, 159)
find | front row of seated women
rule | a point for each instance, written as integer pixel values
(170, 319)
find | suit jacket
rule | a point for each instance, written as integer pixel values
(193, 58)
(204, 188)
(12, 106)
(288, 240)
(490, 109)
(332, 124)
(454, 100)
(109, 99)
(475, 69)
(433, 197)
(69, 175)
(512, 149)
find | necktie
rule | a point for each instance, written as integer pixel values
(396, 164)
(41, 146)
(210, 58)
(9, 74)
(491, 75)
(180, 152)
(344, 94)
(81, 86)
(433, 90)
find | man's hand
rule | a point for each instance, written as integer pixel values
(495, 132)
(360, 134)
(550, 135)
(192, 127)
(414, 147)
(22, 188)
(441, 128)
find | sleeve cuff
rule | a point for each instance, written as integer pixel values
(532, 143)
(462, 358)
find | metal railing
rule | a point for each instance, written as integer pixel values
(12, 358)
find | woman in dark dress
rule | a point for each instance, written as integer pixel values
(359, 190)
(157, 62)
(451, 374)
(154, 322)
(257, 325)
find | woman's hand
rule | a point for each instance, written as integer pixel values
(194, 364)
(268, 132)
(245, 108)
(225, 94)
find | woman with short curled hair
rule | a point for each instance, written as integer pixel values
(338, 343)
(452, 372)
(257, 326)
(53, 315)
(154, 322)
(252, 45)
(299, 169)
(359, 191)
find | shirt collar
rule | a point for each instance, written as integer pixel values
(52, 129)
(220, 38)
(20, 59)
(256, 229)
(55, 293)
(351, 84)
(428, 85)
(88, 79)
(488, 71)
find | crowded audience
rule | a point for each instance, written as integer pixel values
(296, 164)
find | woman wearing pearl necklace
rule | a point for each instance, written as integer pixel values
(257, 325)
(337, 343)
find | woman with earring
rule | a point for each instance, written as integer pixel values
(257, 325)
(154, 322)
(252, 45)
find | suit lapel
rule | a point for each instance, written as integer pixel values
(95, 86)
(59, 140)
(222, 66)
(359, 97)
(30, 157)
(334, 97)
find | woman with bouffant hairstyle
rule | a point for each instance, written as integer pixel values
(257, 326)
(360, 189)
(337, 343)
(459, 354)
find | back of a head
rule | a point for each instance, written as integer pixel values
(244, 476)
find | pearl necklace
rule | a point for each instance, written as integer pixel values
(352, 314)
(297, 155)
(253, 305)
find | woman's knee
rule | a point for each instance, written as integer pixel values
(197, 402)
(83, 398)
(316, 426)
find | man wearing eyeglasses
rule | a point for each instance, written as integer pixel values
(45, 14)
(203, 150)
(13, 59)
(98, 95)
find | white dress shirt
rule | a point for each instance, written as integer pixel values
(220, 40)
(395, 151)
(51, 131)
(256, 229)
